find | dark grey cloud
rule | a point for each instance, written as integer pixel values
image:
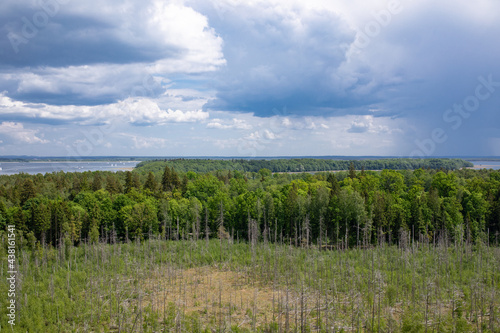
(442, 53)
(279, 57)
(64, 98)
(70, 40)
(36, 119)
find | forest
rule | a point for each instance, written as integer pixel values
(340, 209)
(243, 251)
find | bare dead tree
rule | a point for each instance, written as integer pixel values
(207, 229)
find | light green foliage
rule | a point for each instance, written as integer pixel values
(140, 219)
(94, 234)
(392, 181)
(446, 184)
(475, 208)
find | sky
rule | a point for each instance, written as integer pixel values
(250, 78)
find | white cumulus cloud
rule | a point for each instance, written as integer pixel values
(233, 124)
(139, 111)
(20, 134)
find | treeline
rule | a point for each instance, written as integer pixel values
(339, 209)
(301, 164)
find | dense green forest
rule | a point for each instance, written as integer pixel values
(341, 209)
(301, 164)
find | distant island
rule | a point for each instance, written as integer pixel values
(300, 164)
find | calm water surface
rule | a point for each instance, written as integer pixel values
(495, 165)
(10, 168)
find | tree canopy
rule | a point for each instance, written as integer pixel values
(345, 208)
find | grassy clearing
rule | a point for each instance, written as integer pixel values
(187, 286)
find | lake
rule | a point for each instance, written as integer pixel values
(495, 165)
(10, 168)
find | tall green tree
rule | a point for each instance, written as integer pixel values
(352, 216)
(113, 185)
(175, 182)
(334, 184)
(28, 191)
(475, 209)
(165, 180)
(128, 182)
(38, 214)
(96, 182)
(151, 183)
(352, 170)
(140, 219)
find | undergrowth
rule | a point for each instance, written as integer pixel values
(200, 286)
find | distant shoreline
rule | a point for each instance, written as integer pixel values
(484, 166)
(73, 161)
(125, 169)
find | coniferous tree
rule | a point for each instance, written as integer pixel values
(165, 181)
(82, 182)
(151, 182)
(28, 191)
(112, 185)
(96, 182)
(352, 170)
(136, 183)
(334, 184)
(174, 180)
(128, 182)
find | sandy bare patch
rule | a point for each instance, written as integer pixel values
(227, 298)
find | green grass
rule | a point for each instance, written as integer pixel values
(123, 287)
